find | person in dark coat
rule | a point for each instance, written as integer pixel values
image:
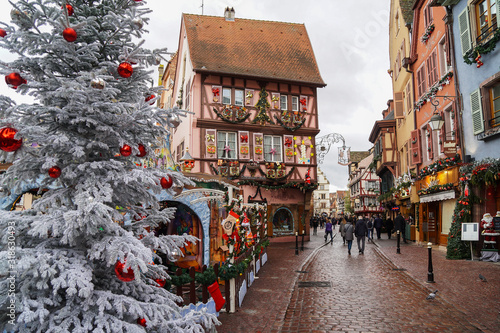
(400, 225)
(361, 230)
(389, 226)
(349, 234)
(378, 224)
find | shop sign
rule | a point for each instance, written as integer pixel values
(450, 148)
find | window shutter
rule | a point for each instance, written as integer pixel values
(243, 137)
(288, 148)
(447, 49)
(477, 112)
(421, 81)
(398, 105)
(249, 97)
(303, 103)
(416, 153)
(464, 27)
(442, 132)
(434, 68)
(258, 147)
(217, 94)
(409, 104)
(430, 143)
(211, 143)
(275, 100)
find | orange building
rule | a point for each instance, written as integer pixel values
(434, 151)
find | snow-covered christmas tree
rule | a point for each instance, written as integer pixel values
(85, 257)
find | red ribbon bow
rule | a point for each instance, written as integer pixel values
(215, 91)
(288, 142)
(303, 101)
(244, 138)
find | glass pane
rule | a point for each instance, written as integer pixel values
(284, 102)
(221, 143)
(267, 147)
(277, 148)
(295, 103)
(238, 97)
(231, 138)
(226, 96)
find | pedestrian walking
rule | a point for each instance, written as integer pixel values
(400, 225)
(369, 225)
(388, 227)
(328, 231)
(349, 234)
(314, 224)
(342, 229)
(360, 230)
(378, 224)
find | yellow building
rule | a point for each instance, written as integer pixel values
(400, 23)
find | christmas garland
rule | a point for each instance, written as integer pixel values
(487, 173)
(207, 277)
(427, 34)
(262, 117)
(386, 195)
(292, 129)
(436, 188)
(485, 48)
(238, 121)
(433, 90)
(438, 166)
(277, 179)
(216, 172)
(301, 186)
(179, 280)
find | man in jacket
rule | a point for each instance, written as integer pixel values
(400, 224)
(349, 234)
(377, 223)
(360, 230)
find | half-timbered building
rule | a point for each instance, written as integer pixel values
(251, 89)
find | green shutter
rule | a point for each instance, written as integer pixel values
(463, 24)
(477, 112)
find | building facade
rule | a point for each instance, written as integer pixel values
(254, 111)
(364, 187)
(322, 195)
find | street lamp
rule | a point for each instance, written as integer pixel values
(436, 122)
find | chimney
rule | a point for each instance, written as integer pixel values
(229, 14)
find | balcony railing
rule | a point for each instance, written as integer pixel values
(487, 33)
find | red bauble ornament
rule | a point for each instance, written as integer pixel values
(125, 150)
(120, 274)
(150, 97)
(14, 80)
(125, 69)
(55, 172)
(142, 151)
(70, 9)
(3, 33)
(7, 141)
(142, 322)
(166, 183)
(69, 34)
(161, 282)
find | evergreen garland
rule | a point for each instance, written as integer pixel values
(207, 277)
(262, 117)
(179, 280)
(240, 120)
(470, 57)
(301, 186)
(292, 129)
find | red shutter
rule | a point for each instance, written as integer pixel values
(244, 140)
(211, 143)
(398, 105)
(430, 147)
(442, 132)
(416, 154)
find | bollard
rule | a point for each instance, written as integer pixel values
(430, 274)
(398, 251)
(296, 243)
(302, 246)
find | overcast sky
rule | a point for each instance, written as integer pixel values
(349, 39)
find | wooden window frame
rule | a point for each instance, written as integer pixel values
(284, 102)
(486, 101)
(276, 145)
(295, 103)
(242, 97)
(220, 148)
(421, 81)
(223, 96)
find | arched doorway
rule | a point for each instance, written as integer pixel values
(185, 221)
(283, 222)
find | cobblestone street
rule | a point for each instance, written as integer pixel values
(325, 290)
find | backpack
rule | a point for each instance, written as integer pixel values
(370, 224)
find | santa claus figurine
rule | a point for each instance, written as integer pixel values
(489, 231)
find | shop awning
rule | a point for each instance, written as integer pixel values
(438, 196)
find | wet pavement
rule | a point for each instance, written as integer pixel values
(323, 289)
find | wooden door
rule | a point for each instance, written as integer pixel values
(433, 222)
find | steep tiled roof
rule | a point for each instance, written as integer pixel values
(357, 156)
(261, 49)
(406, 8)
